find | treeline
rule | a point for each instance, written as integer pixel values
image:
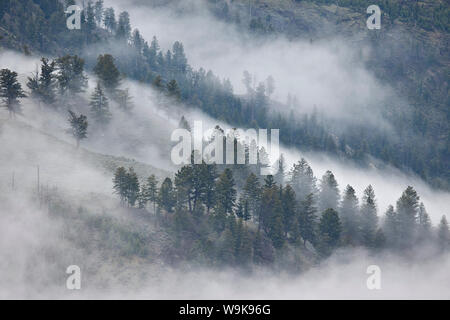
(169, 72)
(216, 221)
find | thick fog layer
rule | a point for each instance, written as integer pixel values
(35, 249)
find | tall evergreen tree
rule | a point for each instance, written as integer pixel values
(302, 180)
(123, 28)
(424, 230)
(100, 107)
(369, 218)
(120, 184)
(78, 126)
(349, 217)
(390, 226)
(329, 231)
(109, 20)
(307, 219)
(10, 91)
(407, 210)
(329, 192)
(226, 192)
(289, 205)
(107, 72)
(70, 75)
(166, 198)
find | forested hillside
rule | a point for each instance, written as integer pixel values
(419, 74)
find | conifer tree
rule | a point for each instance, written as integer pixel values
(120, 184)
(349, 217)
(289, 205)
(226, 192)
(78, 126)
(98, 11)
(123, 27)
(209, 176)
(100, 107)
(133, 187)
(329, 192)
(329, 231)
(369, 218)
(10, 91)
(166, 197)
(252, 194)
(107, 73)
(407, 210)
(424, 231)
(307, 219)
(70, 75)
(390, 226)
(302, 180)
(109, 20)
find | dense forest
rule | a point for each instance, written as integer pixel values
(220, 214)
(214, 220)
(40, 26)
(230, 213)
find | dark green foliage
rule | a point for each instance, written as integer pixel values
(78, 126)
(407, 211)
(107, 72)
(10, 91)
(100, 107)
(42, 85)
(350, 218)
(166, 196)
(70, 75)
(329, 232)
(126, 185)
(369, 218)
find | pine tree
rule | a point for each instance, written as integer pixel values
(209, 176)
(391, 226)
(133, 187)
(329, 192)
(407, 210)
(226, 192)
(78, 126)
(120, 184)
(302, 180)
(184, 187)
(289, 205)
(307, 219)
(349, 217)
(151, 190)
(329, 231)
(166, 198)
(424, 230)
(252, 194)
(70, 75)
(369, 218)
(42, 85)
(280, 170)
(123, 28)
(98, 11)
(100, 107)
(107, 73)
(10, 91)
(109, 20)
